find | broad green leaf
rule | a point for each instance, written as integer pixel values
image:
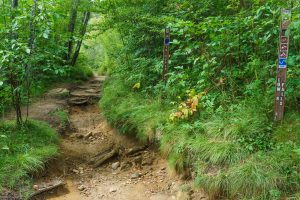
(5, 148)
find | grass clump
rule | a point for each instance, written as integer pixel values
(237, 153)
(131, 112)
(261, 176)
(24, 150)
(62, 116)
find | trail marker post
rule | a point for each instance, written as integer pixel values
(166, 54)
(282, 64)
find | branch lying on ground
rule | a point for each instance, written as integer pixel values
(56, 185)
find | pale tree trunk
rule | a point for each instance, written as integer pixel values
(14, 4)
(86, 18)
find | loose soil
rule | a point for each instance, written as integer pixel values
(143, 175)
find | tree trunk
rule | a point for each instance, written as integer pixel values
(71, 28)
(16, 97)
(30, 46)
(14, 82)
(14, 4)
(85, 22)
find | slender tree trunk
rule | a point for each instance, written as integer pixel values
(16, 96)
(85, 22)
(30, 45)
(71, 28)
(14, 4)
(14, 82)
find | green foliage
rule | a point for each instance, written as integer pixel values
(80, 73)
(33, 48)
(24, 151)
(224, 47)
(227, 49)
(103, 49)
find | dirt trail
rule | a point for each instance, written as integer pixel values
(140, 175)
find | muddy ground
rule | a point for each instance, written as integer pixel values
(135, 171)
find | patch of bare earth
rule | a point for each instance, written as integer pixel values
(95, 161)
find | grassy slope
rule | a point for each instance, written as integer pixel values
(236, 153)
(23, 151)
(130, 112)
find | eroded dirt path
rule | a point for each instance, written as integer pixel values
(135, 172)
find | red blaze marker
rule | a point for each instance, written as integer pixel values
(284, 47)
(284, 40)
(283, 54)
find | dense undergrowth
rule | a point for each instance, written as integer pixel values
(238, 152)
(226, 52)
(23, 151)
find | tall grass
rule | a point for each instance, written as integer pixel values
(131, 112)
(237, 157)
(24, 150)
(236, 152)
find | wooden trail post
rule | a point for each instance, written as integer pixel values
(166, 54)
(282, 64)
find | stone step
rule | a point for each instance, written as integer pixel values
(84, 94)
(78, 101)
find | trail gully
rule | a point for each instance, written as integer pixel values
(95, 161)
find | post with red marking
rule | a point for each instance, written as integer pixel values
(166, 54)
(282, 64)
